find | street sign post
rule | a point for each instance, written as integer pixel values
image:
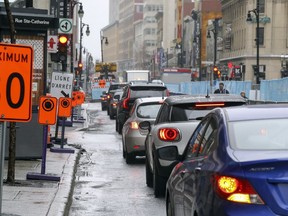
(61, 85)
(16, 82)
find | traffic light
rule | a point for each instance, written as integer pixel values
(62, 47)
(219, 74)
(216, 72)
(80, 66)
(215, 69)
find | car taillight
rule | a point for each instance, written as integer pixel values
(108, 96)
(114, 104)
(236, 190)
(134, 125)
(103, 98)
(169, 134)
(125, 103)
(209, 104)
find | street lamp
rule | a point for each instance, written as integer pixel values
(215, 33)
(80, 64)
(102, 38)
(80, 14)
(249, 19)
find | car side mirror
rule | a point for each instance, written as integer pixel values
(169, 153)
(145, 125)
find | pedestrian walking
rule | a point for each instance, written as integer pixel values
(221, 89)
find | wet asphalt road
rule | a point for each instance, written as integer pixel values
(105, 185)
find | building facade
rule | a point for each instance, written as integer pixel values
(240, 47)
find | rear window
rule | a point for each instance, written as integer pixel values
(145, 92)
(114, 87)
(148, 110)
(195, 111)
(268, 134)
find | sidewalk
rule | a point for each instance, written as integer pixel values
(42, 197)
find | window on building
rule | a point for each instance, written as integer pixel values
(261, 35)
(261, 6)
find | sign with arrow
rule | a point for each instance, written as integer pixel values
(61, 85)
(52, 41)
(65, 26)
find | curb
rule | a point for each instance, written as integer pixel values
(63, 197)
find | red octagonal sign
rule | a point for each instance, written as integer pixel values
(16, 82)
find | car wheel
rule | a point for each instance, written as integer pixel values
(158, 183)
(120, 126)
(149, 174)
(124, 153)
(111, 115)
(130, 157)
(116, 125)
(169, 210)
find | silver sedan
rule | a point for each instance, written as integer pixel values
(133, 138)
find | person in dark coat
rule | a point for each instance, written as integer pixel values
(221, 89)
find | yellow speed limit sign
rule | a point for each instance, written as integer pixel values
(16, 82)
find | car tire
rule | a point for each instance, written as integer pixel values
(116, 125)
(159, 183)
(120, 126)
(130, 158)
(149, 174)
(169, 210)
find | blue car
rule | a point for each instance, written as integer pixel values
(235, 163)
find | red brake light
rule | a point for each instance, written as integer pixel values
(209, 104)
(169, 134)
(236, 190)
(126, 103)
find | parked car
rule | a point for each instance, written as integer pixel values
(114, 103)
(133, 91)
(133, 138)
(235, 163)
(177, 118)
(114, 87)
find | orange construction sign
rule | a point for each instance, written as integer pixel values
(47, 110)
(16, 82)
(65, 107)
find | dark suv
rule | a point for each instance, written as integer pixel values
(131, 93)
(107, 96)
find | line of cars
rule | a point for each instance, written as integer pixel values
(209, 154)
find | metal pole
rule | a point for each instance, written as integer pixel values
(80, 54)
(257, 43)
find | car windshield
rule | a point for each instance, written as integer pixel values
(268, 134)
(148, 110)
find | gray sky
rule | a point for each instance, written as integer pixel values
(96, 15)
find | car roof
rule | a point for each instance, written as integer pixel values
(146, 84)
(181, 99)
(256, 112)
